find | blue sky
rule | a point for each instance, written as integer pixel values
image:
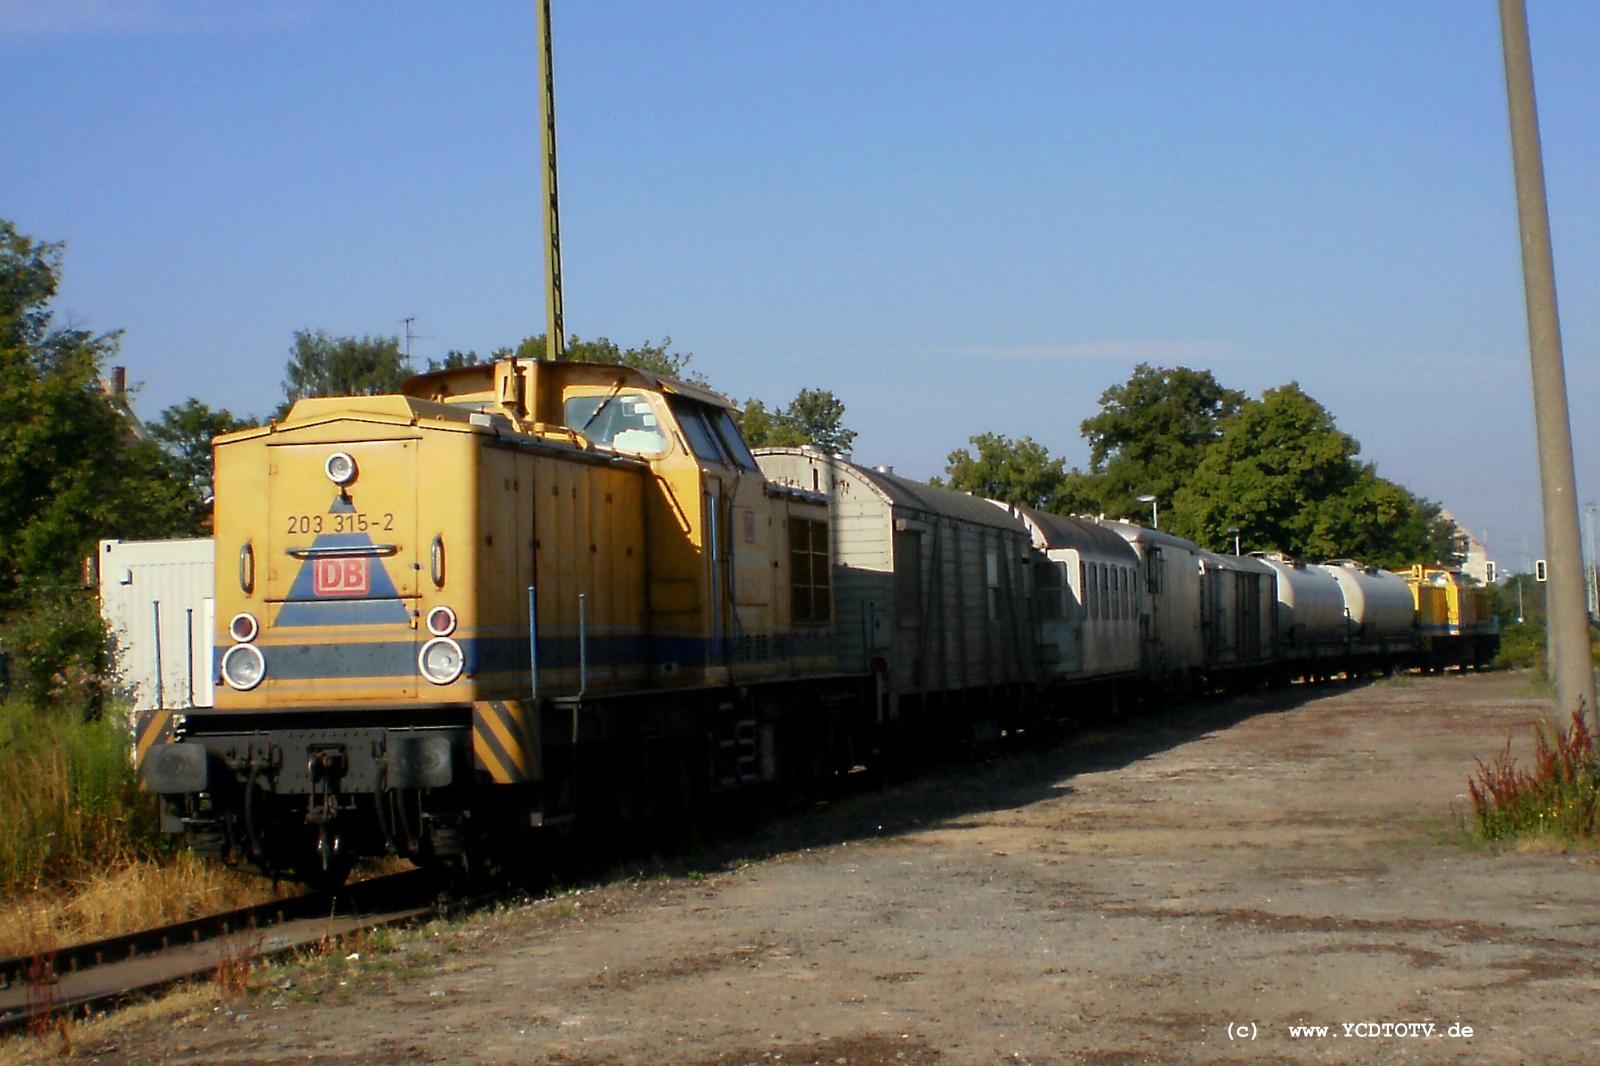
(961, 218)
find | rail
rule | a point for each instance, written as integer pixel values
(73, 978)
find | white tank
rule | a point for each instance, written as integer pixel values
(1379, 604)
(1310, 605)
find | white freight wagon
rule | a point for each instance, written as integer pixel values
(157, 598)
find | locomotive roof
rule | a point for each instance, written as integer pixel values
(1069, 531)
(481, 374)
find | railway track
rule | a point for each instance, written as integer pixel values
(75, 978)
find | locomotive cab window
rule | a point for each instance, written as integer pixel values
(625, 420)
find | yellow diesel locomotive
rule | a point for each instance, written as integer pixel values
(379, 561)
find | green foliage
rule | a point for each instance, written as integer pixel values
(1000, 468)
(1522, 647)
(1558, 799)
(1150, 436)
(456, 360)
(186, 430)
(71, 469)
(658, 359)
(814, 416)
(323, 365)
(72, 804)
(60, 650)
(763, 428)
(1288, 478)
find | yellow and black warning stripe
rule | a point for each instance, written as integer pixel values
(505, 741)
(150, 728)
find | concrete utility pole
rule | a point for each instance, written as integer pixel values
(1568, 621)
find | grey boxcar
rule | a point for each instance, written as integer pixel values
(1238, 612)
(930, 585)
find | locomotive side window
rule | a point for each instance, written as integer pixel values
(624, 420)
(809, 570)
(732, 440)
(702, 440)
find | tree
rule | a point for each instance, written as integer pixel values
(323, 365)
(814, 416)
(1150, 435)
(186, 430)
(71, 471)
(767, 429)
(1289, 479)
(1015, 471)
(658, 359)
(456, 360)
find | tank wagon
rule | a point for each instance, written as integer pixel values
(1380, 614)
(1313, 637)
(523, 596)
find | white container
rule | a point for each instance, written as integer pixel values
(157, 598)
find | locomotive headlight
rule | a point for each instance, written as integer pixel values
(441, 621)
(341, 468)
(441, 660)
(243, 667)
(244, 627)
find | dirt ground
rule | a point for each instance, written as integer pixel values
(1179, 890)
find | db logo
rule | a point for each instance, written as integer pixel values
(342, 577)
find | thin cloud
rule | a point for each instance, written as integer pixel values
(122, 18)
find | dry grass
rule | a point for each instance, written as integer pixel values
(126, 899)
(187, 1004)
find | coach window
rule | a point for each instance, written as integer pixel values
(1153, 569)
(908, 576)
(809, 571)
(991, 571)
(1050, 591)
